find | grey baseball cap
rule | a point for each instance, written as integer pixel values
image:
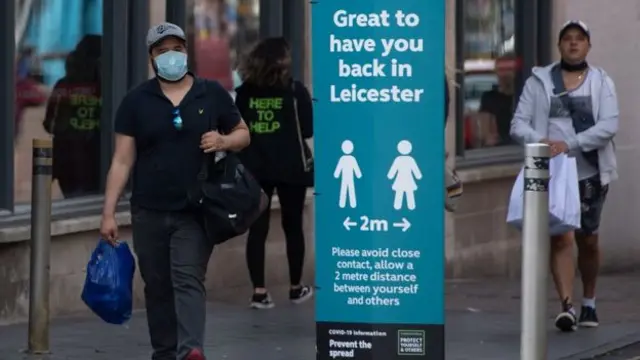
(160, 32)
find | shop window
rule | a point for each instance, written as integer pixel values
(58, 94)
(488, 71)
(220, 32)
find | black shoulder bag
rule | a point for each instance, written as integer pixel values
(580, 120)
(228, 196)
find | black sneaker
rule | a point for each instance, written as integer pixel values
(588, 317)
(566, 321)
(262, 301)
(301, 294)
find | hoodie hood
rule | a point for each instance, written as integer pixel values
(542, 72)
(543, 75)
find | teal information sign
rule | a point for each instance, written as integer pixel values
(378, 73)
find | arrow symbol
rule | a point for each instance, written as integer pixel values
(404, 224)
(348, 223)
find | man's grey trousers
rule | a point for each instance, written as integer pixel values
(173, 253)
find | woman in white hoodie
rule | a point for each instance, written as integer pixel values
(573, 107)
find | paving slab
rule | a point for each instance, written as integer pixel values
(482, 323)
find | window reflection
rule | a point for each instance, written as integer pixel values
(221, 30)
(73, 119)
(489, 71)
(58, 95)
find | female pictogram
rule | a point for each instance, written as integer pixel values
(404, 171)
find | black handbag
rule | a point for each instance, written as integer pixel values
(228, 196)
(580, 120)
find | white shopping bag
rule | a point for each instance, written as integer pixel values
(564, 198)
(516, 202)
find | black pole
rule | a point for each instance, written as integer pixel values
(114, 79)
(7, 104)
(293, 27)
(176, 12)
(526, 36)
(138, 54)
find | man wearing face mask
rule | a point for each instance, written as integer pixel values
(573, 107)
(163, 129)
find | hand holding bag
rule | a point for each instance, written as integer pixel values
(108, 286)
(228, 196)
(564, 199)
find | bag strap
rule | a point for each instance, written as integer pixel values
(299, 127)
(203, 175)
(559, 89)
(561, 92)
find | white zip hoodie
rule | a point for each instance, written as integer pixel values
(531, 120)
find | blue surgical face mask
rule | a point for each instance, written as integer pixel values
(172, 65)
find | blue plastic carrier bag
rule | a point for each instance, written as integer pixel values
(108, 288)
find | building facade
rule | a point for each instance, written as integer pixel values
(66, 66)
(73, 77)
(92, 52)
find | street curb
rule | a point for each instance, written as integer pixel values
(604, 349)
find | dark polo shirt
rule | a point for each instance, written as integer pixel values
(169, 156)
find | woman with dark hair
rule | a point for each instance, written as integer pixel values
(279, 112)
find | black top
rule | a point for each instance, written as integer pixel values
(275, 153)
(499, 105)
(168, 156)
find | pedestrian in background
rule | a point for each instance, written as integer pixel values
(572, 106)
(279, 113)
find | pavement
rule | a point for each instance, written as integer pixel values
(631, 352)
(482, 323)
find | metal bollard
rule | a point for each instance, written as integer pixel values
(535, 252)
(40, 247)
